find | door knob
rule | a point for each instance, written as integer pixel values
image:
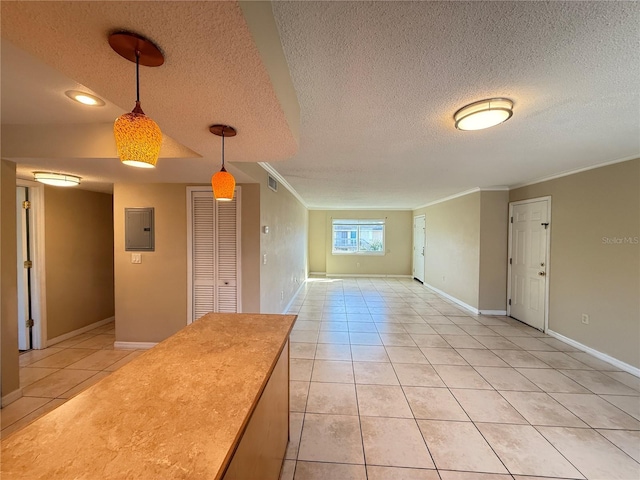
(542, 274)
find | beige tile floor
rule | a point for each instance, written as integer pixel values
(390, 381)
(51, 376)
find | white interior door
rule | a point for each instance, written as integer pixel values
(419, 241)
(529, 237)
(24, 334)
(214, 261)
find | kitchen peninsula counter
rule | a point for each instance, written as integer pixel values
(210, 402)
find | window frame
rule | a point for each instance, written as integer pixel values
(357, 223)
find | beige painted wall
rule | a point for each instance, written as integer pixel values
(317, 241)
(151, 297)
(9, 370)
(466, 250)
(452, 253)
(250, 248)
(398, 238)
(285, 245)
(79, 257)
(494, 237)
(588, 271)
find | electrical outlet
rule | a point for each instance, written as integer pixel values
(264, 259)
(585, 319)
(281, 294)
(136, 258)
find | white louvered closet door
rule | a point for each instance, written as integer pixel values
(226, 266)
(215, 254)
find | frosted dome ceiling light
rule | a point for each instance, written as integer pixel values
(56, 179)
(84, 98)
(483, 114)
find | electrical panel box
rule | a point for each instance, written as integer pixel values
(139, 230)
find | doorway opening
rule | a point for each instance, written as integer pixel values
(30, 265)
(528, 268)
(25, 291)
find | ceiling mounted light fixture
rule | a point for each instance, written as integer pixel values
(85, 98)
(56, 179)
(138, 138)
(223, 183)
(483, 114)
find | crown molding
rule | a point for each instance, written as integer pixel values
(573, 172)
(274, 173)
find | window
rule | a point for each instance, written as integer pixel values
(358, 237)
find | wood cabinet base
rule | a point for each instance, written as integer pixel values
(263, 445)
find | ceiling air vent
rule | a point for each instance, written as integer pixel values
(273, 183)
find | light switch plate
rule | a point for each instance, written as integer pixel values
(136, 258)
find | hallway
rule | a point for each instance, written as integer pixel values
(51, 376)
(391, 381)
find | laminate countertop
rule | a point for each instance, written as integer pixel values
(177, 411)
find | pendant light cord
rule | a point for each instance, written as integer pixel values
(137, 76)
(223, 149)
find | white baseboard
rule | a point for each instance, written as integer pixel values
(453, 299)
(599, 355)
(11, 397)
(338, 275)
(493, 312)
(319, 274)
(293, 297)
(135, 345)
(67, 336)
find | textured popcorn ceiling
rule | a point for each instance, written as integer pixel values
(212, 73)
(378, 83)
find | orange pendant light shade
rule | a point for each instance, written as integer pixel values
(223, 185)
(138, 139)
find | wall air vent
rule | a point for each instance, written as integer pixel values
(273, 183)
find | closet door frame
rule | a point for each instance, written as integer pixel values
(189, 202)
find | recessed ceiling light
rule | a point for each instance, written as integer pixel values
(56, 179)
(84, 98)
(483, 114)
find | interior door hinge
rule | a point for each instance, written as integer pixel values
(509, 301)
(28, 264)
(26, 204)
(511, 261)
(511, 219)
(29, 322)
